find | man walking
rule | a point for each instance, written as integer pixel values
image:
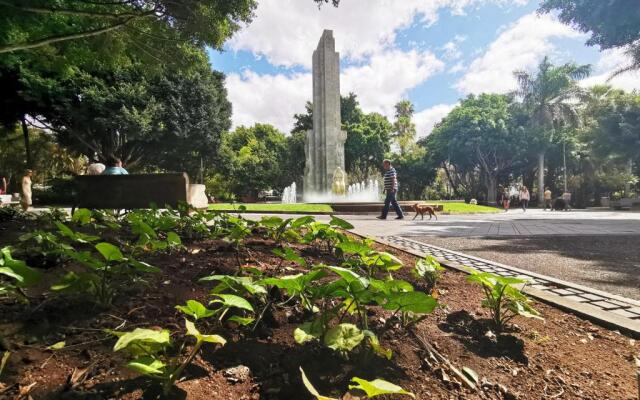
(390, 188)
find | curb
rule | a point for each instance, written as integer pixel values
(543, 292)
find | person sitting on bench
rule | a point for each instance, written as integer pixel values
(114, 167)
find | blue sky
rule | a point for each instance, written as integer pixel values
(432, 52)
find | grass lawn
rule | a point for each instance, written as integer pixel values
(464, 208)
(261, 207)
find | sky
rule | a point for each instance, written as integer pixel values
(431, 52)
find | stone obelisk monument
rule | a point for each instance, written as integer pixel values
(324, 146)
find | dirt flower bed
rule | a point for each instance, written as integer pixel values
(60, 345)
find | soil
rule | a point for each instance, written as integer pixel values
(562, 357)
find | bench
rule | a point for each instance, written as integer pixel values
(133, 191)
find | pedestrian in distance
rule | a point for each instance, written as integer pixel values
(391, 189)
(547, 199)
(525, 196)
(25, 195)
(505, 199)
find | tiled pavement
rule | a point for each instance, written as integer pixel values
(604, 307)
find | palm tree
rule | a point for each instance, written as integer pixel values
(550, 97)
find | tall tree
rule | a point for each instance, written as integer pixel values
(550, 97)
(477, 135)
(257, 157)
(405, 129)
(612, 23)
(148, 23)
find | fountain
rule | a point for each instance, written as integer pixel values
(289, 194)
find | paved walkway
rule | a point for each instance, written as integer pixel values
(513, 223)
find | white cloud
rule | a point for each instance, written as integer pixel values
(287, 31)
(271, 99)
(451, 49)
(458, 67)
(388, 77)
(610, 61)
(426, 119)
(379, 84)
(520, 46)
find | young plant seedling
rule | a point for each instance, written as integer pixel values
(104, 275)
(429, 269)
(148, 348)
(503, 300)
(15, 275)
(372, 389)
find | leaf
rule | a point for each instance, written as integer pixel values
(289, 254)
(307, 332)
(471, 374)
(142, 335)
(18, 269)
(271, 222)
(294, 284)
(378, 387)
(57, 346)
(81, 216)
(339, 222)
(302, 221)
(109, 251)
(312, 389)
(173, 239)
(193, 331)
(231, 300)
(143, 266)
(354, 247)
(147, 365)
(343, 337)
(4, 360)
(416, 302)
(244, 321)
(376, 347)
(196, 309)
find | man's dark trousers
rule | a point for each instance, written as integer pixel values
(391, 200)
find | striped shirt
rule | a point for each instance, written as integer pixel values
(390, 179)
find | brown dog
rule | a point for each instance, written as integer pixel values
(424, 209)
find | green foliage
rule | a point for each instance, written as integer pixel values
(148, 350)
(288, 254)
(405, 129)
(15, 275)
(428, 269)
(196, 310)
(373, 388)
(255, 157)
(378, 387)
(502, 299)
(103, 276)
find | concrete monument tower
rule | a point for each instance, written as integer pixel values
(324, 146)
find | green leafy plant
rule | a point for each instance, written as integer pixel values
(277, 228)
(42, 249)
(104, 276)
(503, 300)
(149, 352)
(15, 275)
(373, 388)
(288, 254)
(429, 270)
(325, 234)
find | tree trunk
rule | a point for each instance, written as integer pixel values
(541, 179)
(27, 144)
(492, 189)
